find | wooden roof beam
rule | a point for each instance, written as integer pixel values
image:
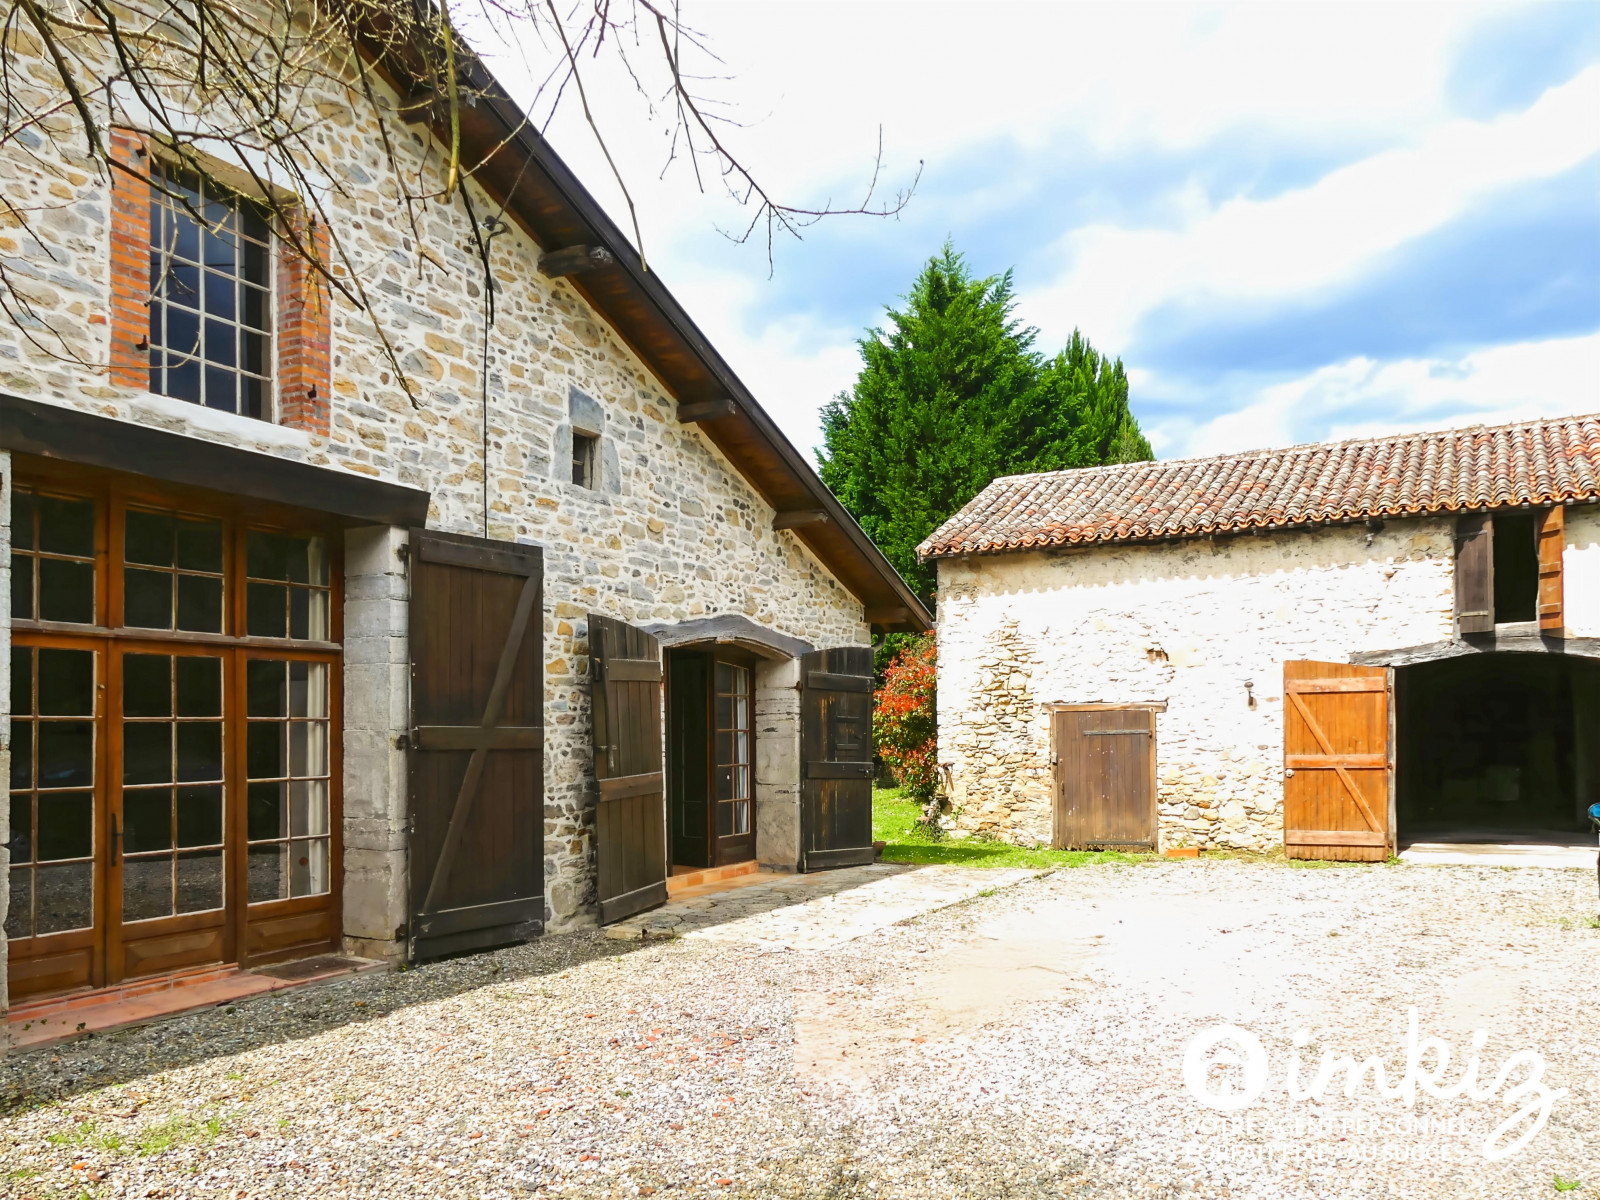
(798, 517)
(574, 260)
(696, 411)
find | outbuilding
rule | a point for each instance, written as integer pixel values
(1341, 649)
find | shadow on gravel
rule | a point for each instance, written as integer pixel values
(35, 1077)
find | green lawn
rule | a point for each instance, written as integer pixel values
(894, 822)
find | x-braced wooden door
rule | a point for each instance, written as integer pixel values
(836, 757)
(1338, 761)
(630, 821)
(477, 743)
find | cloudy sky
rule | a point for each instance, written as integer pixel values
(1292, 221)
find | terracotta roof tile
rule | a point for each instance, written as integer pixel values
(1413, 474)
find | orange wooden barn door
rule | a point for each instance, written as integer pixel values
(1337, 761)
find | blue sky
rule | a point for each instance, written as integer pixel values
(1292, 221)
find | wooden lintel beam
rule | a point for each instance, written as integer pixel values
(887, 616)
(706, 410)
(574, 260)
(797, 517)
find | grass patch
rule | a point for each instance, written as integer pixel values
(894, 822)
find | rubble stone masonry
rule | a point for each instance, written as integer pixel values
(1189, 624)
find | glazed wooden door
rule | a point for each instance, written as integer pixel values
(1338, 761)
(688, 760)
(631, 813)
(836, 757)
(1104, 777)
(477, 742)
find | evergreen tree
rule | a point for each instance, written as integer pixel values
(951, 395)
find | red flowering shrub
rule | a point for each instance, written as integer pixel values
(905, 721)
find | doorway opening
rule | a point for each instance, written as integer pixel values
(1491, 748)
(711, 810)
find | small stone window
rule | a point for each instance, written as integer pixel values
(585, 451)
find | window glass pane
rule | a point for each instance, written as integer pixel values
(22, 506)
(221, 250)
(724, 747)
(66, 683)
(253, 221)
(146, 599)
(222, 293)
(269, 872)
(66, 826)
(724, 783)
(64, 897)
(724, 820)
(21, 753)
(181, 286)
(66, 526)
(66, 754)
(146, 752)
(724, 712)
(255, 262)
(146, 685)
(268, 815)
(21, 680)
(183, 380)
(222, 388)
(200, 545)
(146, 820)
(264, 750)
(265, 614)
(300, 612)
(308, 868)
(66, 591)
(147, 538)
(255, 309)
(724, 677)
(308, 807)
(200, 816)
(741, 816)
(200, 603)
(199, 687)
(308, 689)
(146, 888)
(21, 587)
(21, 828)
(266, 688)
(199, 880)
(308, 748)
(252, 397)
(199, 751)
(222, 342)
(266, 556)
(19, 916)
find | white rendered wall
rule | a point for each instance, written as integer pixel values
(1185, 623)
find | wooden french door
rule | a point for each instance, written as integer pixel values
(174, 691)
(711, 808)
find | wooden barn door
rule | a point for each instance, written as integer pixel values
(1105, 774)
(477, 743)
(631, 816)
(1337, 761)
(836, 756)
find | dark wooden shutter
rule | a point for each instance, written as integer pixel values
(477, 742)
(631, 816)
(1552, 544)
(1105, 762)
(1337, 761)
(836, 757)
(1475, 574)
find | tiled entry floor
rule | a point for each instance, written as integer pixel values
(58, 1017)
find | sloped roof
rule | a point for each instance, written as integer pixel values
(1414, 474)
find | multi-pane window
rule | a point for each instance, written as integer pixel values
(172, 785)
(173, 573)
(584, 453)
(288, 769)
(210, 295)
(733, 749)
(53, 694)
(286, 594)
(52, 558)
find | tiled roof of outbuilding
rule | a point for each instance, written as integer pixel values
(1413, 474)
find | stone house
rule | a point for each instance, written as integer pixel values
(295, 665)
(1340, 648)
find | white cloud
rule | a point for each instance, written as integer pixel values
(1362, 398)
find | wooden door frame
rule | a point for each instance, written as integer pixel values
(1153, 707)
(112, 493)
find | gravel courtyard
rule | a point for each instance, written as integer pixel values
(1024, 1040)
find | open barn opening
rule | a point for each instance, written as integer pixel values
(1492, 748)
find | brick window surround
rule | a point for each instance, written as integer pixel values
(303, 360)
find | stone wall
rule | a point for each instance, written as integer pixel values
(1203, 626)
(671, 532)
